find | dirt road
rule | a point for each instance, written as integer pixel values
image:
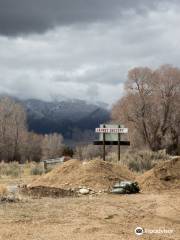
(104, 217)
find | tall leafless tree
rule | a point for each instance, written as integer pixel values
(12, 129)
(150, 107)
(52, 146)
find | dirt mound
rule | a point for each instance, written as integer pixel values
(163, 176)
(95, 174)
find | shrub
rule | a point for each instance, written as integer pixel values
(67, 151)
(49, 169)
(140, 165)
(143, 160)
(139, 161)
(10, 169)
(89, 152)
(37, 170)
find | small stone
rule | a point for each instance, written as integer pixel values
(84, 191)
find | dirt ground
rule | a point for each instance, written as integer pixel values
(103, 217)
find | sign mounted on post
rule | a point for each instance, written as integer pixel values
(112, 130)
(111, 135)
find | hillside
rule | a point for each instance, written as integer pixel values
(72, 118)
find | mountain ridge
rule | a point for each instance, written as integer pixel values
(70, 118)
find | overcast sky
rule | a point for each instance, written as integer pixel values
(58, 49)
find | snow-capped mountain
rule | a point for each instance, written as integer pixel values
(66, 117)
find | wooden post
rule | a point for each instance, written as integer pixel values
(104, 146)
(45, 166)
(119, 146)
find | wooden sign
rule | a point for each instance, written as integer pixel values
(111, 130)
(111, 135)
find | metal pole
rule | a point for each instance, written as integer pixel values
(104, 146)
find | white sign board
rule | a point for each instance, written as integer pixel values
(112, 130)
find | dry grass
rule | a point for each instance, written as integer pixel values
(14, 173)
(15, 170)
(3, 190)
(37, 169)
(10, 169)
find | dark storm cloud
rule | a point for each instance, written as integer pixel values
(89, 52)
(26, 16)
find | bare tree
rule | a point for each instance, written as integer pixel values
(12, 129)
(33, 147)
(16, 143)
(150, 106)
(88, 152)
(52, 146)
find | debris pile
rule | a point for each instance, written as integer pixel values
(10, 199)
(9, 194)
(124, 187)
(164, 176)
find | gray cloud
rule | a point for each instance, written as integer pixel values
(27, 16)
(76, 61)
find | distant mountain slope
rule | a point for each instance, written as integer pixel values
(59, 110)
(64, 117)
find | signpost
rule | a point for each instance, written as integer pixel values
(112, 130)
(111, 135)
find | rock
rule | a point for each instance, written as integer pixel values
(84, 162)
(12, 189)
(66, 184)
(92, 192)
(84, 191)
(9, 199)
(110, 216)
